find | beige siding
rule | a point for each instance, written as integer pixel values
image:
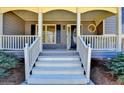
(28, 27)
(85, 30)
(13, 25)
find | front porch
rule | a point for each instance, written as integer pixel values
(56, 31)
(79, 36)
(102, 46)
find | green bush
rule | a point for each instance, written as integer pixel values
(116, 66)
(7, 61)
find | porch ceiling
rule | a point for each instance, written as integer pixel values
(96, 15)
(59, 15)
(26, 15)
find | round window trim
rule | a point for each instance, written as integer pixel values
(92, 26)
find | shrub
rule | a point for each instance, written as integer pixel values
(116, 66)
(7, 61)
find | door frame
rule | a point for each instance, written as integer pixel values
(69, 40)
(81, 25)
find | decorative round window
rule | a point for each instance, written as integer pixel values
(92, 28)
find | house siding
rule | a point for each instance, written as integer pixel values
(110, 25)
(12, 24)
(84, 28)
(28, 26)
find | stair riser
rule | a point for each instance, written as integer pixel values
(57, 72)
(56, 65)
(58, 59)
(58, 62)
(66, 52)
(58, 54)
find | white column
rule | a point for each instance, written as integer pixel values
(104, 27)
(1, 28)
(40, 25)
(78, 27)
(119, 29)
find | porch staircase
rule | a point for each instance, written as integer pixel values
(58, 67)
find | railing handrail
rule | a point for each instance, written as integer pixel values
(83, 42)
(19, 35)
(100, 35)
(30, 47)
(85, 55)
(31, 54)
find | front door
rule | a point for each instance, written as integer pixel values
(71, 36)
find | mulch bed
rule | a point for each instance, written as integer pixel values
(100, 75)
(16, 76)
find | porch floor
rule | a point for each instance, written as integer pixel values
(95, 53)
(104, 54)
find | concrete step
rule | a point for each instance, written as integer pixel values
(58, 70)
(59, 58)
(57, 79)
(54, 46)
(58, 67)
(58, 53)
(57, 63)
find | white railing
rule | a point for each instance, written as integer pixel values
(15, 42)
(100, 42)
(85, 55)
(31, 54)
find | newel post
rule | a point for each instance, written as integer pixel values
(26, 54)
(88, 62)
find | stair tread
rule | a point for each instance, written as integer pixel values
(57, 76)
(75, 56)
(57, 79)
(58, 62)
(59, 51)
